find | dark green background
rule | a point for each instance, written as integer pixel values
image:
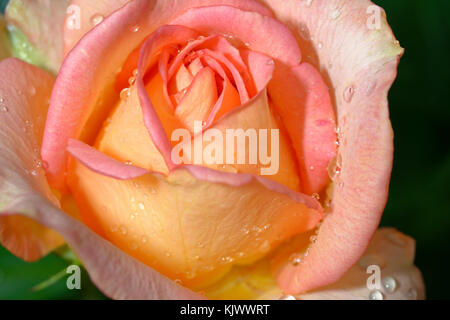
(419, 203)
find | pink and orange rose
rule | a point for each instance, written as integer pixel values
(86, 158)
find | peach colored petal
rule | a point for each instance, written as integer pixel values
(390, 250)
(210, 234)
(42, 22)
(393, 252)
(23, 95)
(360, 77)
(199, 99)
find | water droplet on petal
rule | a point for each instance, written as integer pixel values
(287, 297)
(96, 19)
(315, 196)
(144, 239)
(376, 295)
(4, 109)
(135, 29)
(125, 93)
(348, 94)
(295, 259)
(389, 284)
(335, 14)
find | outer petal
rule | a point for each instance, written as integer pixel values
(42, 23)
(93, 12)
(390, 250)
(24, 101)
(116, 37)
(25, 195)
(393, 252)
(360, 63)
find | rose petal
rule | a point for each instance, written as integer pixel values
(23, 95)
(390, 250)
(360, 77)
(127, 211)
(42, 23)
(25, 196)
(393, 253)
(199, 99)
(92, 12)
(303, 102)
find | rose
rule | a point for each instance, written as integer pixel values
(105, 187)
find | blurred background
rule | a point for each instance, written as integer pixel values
(419, 203)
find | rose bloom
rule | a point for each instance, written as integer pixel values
(87, 157)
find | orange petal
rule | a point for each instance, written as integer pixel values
(24, 95)
(254, 116)
(182, 80)
(199, 99)
(186, 227)
(124, 135)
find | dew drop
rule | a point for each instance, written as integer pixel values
(376, 295)
(141, 206)
(315, 196)
(4, 109)
(34, 173)
(125, 93)
(135, 28)
(144, 239)
(178, 281)
(335, 14)
(389, 284)
(32, 91)
(168, 254)
(348, 94)
(287, 297)
(270, 62)
(308, 2)
(96, 19)
(334, 167)
(313, 239)
(131, 81)
(312, 168)
(295, 259)
(320, 45)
